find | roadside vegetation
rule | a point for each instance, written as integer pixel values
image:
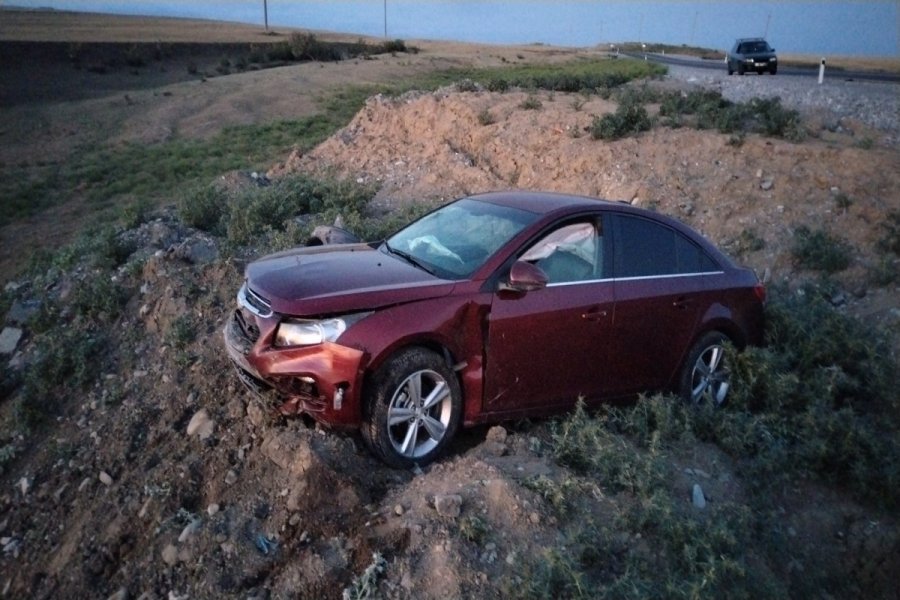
(815, 405)
(704, 109)
(109, 176)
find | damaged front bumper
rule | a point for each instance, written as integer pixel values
(322, 381)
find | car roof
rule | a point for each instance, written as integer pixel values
(541, 203)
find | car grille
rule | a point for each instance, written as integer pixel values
(254, 302)
(245, 327)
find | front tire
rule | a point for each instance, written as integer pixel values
(705, 378)
(413, 408)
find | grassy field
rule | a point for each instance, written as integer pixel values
(114, 176)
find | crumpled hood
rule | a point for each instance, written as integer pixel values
(341, 278)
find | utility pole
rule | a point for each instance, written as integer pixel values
(768, 18)
(266, 14)
(385, 19)
(693, 28)
(641, 29)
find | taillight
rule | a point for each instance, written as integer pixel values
(760, 291)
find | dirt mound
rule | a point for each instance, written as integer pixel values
(446, 144)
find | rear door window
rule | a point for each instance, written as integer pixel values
(644, 248)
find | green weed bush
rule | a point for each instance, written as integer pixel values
(498, 84)
(890, 241)
(819, 398)
(485, 117)
(694, 554)
(97, 298)
(710, 110)
(67, 362)
(250, 213)
(531, 103)
(203, 207)
(629, 118)
(819, 250)
(395, 46)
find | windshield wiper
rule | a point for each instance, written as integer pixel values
(409, 258)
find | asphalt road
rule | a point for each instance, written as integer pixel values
(782, 70)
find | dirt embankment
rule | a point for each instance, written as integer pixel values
(427, 146)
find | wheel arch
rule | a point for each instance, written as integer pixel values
(431, 343)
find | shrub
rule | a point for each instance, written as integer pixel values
(693, 554)
(820, 251)
(890, 241)
(818, 398)
(532, 102)
(843, 201)
(486, 118)
(497, 84)
(305, 46)
(98, 298)
(182, 332)
(204, 207)
(281, 52)
(257, 211)
(628, 119)
(885, 271)
(395, 46)
(134, 56)
(69, 359)
(134, 212)
(473, 528)
(760, 115)
(466, 85)
(748, 241)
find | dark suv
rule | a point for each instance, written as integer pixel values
(751, 54)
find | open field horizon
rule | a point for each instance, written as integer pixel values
(830, 27)
(70, 26)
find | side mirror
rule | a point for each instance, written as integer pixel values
(525, 277)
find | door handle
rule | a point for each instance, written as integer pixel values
(682, 303)
(595, 315)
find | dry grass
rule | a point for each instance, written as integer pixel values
(848, 63)
(60, 26)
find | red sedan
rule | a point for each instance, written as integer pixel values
(496, 306)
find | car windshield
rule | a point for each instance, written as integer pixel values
(454, 241)
(756, 47)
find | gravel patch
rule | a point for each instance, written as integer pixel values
(875, 104)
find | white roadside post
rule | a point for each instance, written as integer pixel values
(822, 71)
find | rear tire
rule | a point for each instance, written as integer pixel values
(413, 407)
(705, 378)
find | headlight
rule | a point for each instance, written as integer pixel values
(749, 60)
(298, 332)
(773, 59)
